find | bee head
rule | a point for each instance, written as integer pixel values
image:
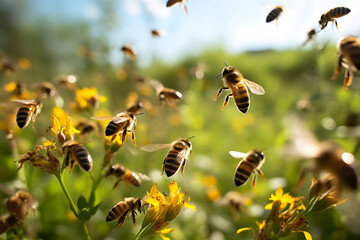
(322, 20)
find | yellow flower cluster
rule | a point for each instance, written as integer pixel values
(87, 98)
(162, 210)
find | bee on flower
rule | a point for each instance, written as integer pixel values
(86, 99)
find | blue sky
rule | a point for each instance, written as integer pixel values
(236, 25)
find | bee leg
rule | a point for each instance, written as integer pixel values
(132, 137)
(336, 24)
(72, 163)
(123, 136)
(183, 167)
(226, 100)
(133, 214)
(122, 219)
(348, 78)
(337, 69)
(163, 168)
(253, 182)
(113, 138)
(219, 92)
(260, 173)
(116, 183)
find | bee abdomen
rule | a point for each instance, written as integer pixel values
(274, 14)
(111, 129)
(242, 99)
(338, 12)
(23, 117)
(171, 165)
(118, 210)
(243, 173)
(134, 179)
(83, 157)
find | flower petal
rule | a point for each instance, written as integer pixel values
(243, 229)
(306, 234)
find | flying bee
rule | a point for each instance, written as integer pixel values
(234, 80)
(331, 15)
(251, 163)
(180, 150)
(310, 36)
(29, 111)
(45, 89)
(123, 123)
(166, 95)
(156, 33)
(20, 202)
(67, 81)
(121, 210)
(274, 14)
(124, 174)
(348, 49)
(181, 3)
(327, 157)
(135, 107)
(129, 50)
(76, 153)
(86, 127)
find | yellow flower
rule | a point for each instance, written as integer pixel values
(87, 98)
(279, 195)
(162, 210)
(59, 130)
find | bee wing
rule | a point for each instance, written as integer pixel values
(143, 177)
(236, 154)
(156, 84)
(102, 118)
(181, 156)
(154, 147)
(254, 87)
(24, 101)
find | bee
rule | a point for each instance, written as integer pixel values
(45, 89)
(170, 3)
(124, 174)
(86, 127)
(135, 107)
(29, 111)
(7, 222)
(76, 153)
(310, 36)
(327, 156)
(156, 33)
(180, 150)
(251, 163)
(236, 202)
(67, 81)
(348, 49)
(123, 123)
(234, 80)
(274, 14)
(129, 50)
(20, 202)
(166, 95)
(331, 15)
(121, 210)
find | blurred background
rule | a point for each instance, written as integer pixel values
(43, 41)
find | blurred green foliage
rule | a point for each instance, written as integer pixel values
(287, 77)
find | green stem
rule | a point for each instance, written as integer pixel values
(83, 223)
(67, 194)
(143, 232)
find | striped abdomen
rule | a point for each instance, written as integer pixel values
(275, 13)
(133, 178)
(117, 211)
(243, 172)
(24, 115)
(82, 156)
(113, 128)
(353, 57)
(337, 12)
(172, 162)
(241, 97)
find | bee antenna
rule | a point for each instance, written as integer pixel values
(225, 63)
(190, 137)
(218, 75)
(139, 114)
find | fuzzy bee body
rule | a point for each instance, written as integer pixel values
(28, 112)
(121, 210)
(331, 15)
(274, 14)
(123, 173)
(77, 153)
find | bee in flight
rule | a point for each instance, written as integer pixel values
(28, 111)
(180, 150)
(310, 36)
(331, 15)
(156, 33)
(251, 163)
(7, 222)
(166, 95)
(234, 80)
(274, 14)
(181, 3)
(122, 173)
(45, 89)
(121, 210)
(76, 153)
(123, 123)
(129, 51)
(348, 49)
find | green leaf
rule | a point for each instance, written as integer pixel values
(94, 209)
(84, 214)
(82, 203)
